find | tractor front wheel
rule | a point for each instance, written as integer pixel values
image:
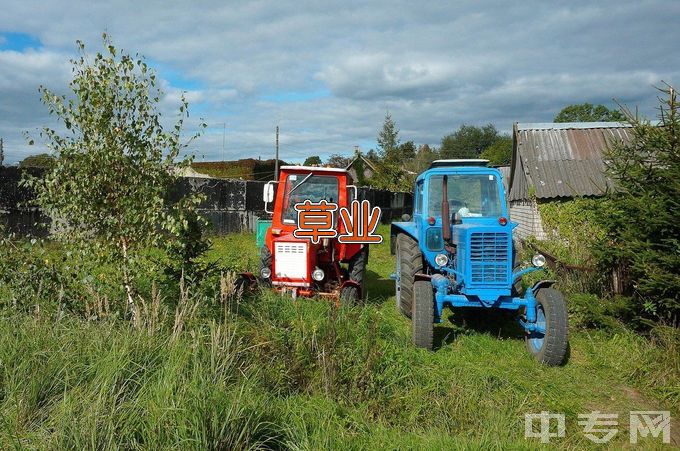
(550, 346)
(422, 318)
(349, 295)
(265, 262)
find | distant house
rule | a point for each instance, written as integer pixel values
(361, 168)
(552, 161)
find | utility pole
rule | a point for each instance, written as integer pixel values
(224, 140)
(2, 153)
(276, 162)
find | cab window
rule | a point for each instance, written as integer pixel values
(469, 195)
(301, 187)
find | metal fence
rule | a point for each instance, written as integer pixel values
(231, 206)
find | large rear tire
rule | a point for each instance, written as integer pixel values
(423, 315)
(357, 268)
(551, 314)
(409, 263)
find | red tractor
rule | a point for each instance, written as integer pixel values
(299, 266)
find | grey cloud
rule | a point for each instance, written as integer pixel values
(433, 65)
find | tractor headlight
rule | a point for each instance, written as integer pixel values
(265, 273)
(441, 259)
(318, 274)
(538, 260)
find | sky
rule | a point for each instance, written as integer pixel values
(327, 72)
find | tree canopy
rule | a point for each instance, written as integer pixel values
(500, 152)
(338, 161)
(314, 160)
(587, 112)
(388, 140)
(41, 160)
(468, 141)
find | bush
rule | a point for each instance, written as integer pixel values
(573, 230)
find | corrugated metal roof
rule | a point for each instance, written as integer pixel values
(570, 125)
(563, 160)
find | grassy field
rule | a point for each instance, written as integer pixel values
(266, 372)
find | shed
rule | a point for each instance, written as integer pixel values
(553, 161)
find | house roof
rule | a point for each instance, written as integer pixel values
(562, 159)
(364, 159)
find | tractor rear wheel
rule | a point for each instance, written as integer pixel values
(409, 263)
(422, 320)
(265, 262)
(357, 268)
(551, 314)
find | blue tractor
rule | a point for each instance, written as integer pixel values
(458, 251)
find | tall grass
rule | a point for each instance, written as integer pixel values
(208, 368)
(304, 375)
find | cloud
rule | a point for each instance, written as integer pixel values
(327, 72)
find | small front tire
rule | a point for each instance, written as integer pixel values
(349, 295)
(265, 262)
(422, 319)
(551, 314)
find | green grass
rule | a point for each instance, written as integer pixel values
(272, 373)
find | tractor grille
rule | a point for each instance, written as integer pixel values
(489, 259)
(290, 260)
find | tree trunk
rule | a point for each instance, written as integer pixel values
(134, 317)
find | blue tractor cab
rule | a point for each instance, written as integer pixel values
(458, 251)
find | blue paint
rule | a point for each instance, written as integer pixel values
(537, 335)
(19, 42)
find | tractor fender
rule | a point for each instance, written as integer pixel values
(352, 283)
(247, 275)
(409, 228)
(542, 284)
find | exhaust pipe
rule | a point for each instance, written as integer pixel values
(446, 217)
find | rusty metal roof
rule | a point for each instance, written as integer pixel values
(562, 159)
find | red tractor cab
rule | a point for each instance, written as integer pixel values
(297, 265)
